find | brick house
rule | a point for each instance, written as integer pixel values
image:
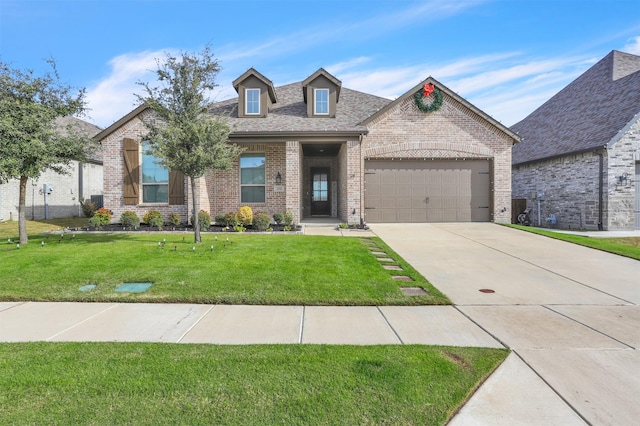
(578, 164)
(321, 150)
(83, 180)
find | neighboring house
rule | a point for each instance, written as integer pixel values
(65, 191)
(577, 166)
(321, 150)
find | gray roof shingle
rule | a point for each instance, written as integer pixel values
(289, 114)
(587, 114)
(85, 128)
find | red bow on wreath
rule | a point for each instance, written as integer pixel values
(428, 88)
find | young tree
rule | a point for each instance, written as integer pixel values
(31, 140)
(183, 135)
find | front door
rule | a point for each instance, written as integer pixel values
(320, 203)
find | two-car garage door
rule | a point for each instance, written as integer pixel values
(427, 191)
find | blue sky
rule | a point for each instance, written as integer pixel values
(505, 56)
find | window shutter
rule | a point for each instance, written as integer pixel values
(176, 188)
(131, 171)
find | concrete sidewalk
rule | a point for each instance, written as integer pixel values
(237, 324)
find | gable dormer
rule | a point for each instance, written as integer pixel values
(256, 94)
(321, 92)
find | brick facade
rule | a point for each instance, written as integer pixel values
(399, 130)
(114, 174)
(454, 131)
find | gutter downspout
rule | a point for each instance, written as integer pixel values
(600, 188)
(361, 171)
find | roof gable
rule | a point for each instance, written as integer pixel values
(430, 80)
(251, 72)
(319, 74)
(585, 115)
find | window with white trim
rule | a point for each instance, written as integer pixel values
(155, 178)
(252, 178)
(252, 101)
(321, 104)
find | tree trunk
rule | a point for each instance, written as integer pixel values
(22, 211)
(196, 221)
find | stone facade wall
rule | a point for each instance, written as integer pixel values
(622, 158)
(64, 201)
(454, 131)
(570, 185)
(565, 187)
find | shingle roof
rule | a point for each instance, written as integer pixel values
(585, 115)
(82, 127)
(289, 114)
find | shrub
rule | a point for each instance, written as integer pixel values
(278, 218)
(230, 219)
(287, 218)
(245, 216)
(153, 218)
(239, 228)
(204, 220)
(261, 221)
(88, 207)
(175, 219)
(103, 216)
(129, 219)
(220, 219)
(100, 217)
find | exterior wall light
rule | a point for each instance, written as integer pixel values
(278, 178)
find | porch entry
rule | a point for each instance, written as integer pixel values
(320, 192)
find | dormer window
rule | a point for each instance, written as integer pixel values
(321, 98)
(321, 93)
(256, 94)
(252, 101)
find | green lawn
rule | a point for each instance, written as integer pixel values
(247, 269)
(154, 384)
(629, 247)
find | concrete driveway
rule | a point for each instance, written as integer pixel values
(569, 313)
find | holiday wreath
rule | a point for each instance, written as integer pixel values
(421, 95)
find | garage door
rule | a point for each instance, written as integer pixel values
(427, 191)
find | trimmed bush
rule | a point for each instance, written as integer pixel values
(245, 216)
(220, 219)
(175, 219)
(153, 218)
(129, 219)
(204, 220)
(278, 218)
(287, 218)
(261, 221)
(230, 219)
(103, 215)
(100, 217)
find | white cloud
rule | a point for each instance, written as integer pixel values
(112, 97)
(633, 46)
(345, 65)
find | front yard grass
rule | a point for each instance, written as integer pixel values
(151, 383)
(246, 269)
(628, 247)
